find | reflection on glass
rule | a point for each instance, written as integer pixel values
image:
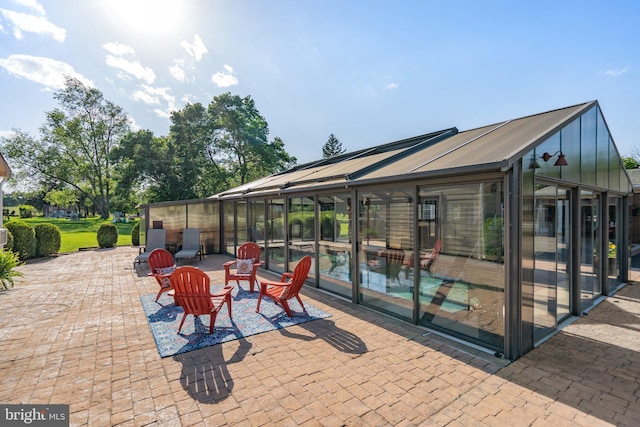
(462, 290)
(588, 147)
(602, 157)
(257, 225)
(550, 146)
(570, 142)
(206, 216)
(174, 220)
(589, 248)
(241, 222)
(275, 235)
(228, 222)
(334, 256)
(563, 238)
(613, 254)
(385, 230)
(544, 274)
(614, 167)
(301, 231)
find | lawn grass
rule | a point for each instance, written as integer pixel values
(82, 233)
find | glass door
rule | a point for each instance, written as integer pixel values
(552, 260)
(590, 259)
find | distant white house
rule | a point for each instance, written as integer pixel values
(58, 212)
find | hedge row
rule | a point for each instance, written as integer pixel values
(30, 242)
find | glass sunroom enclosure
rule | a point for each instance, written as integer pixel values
(494, 235)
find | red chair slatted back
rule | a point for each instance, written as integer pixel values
(160, 258)
(192, 290)
(300, 274)
(249, 250)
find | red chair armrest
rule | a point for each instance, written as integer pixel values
(286, 276)
(225, 291)
(265, 282)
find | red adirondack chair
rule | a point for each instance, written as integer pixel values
(426, 261)
(162, 264)
(247, 265)
(288, 287)
(192, 289)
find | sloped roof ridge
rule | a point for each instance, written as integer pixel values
(531, 115)
(395, 145)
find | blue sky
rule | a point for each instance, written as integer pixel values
(369, 72)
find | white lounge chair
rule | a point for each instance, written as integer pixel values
(191, 247)
(156, 238)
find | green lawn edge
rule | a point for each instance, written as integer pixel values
(76, 234)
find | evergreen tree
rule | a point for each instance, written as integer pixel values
(332, 147)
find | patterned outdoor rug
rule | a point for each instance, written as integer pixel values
(164, 318)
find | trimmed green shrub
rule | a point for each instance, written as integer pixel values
(107, 236)
(8, 262)
(47, 239)
(494, 237)
(9, 245)
(135, 235)
(24, 239)
(309, 228)
(327, 228)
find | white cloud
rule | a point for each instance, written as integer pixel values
(156, 96)
(6, 133)
(31, 4)
(392, 86)
(119, 49)
(196, 49)
(165, 114)
(122, 57)
(225, 79)
(23, 22)
(46, 71)
(615, 73)
(177, 70)
(134, 125)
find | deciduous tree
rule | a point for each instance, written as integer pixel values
(75, 144)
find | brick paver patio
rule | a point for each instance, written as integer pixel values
(73, 331)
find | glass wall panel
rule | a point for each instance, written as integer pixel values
(302, 231)
(602, 157)
(552, 280)
(563, 249)
(275, 235)
(142, 224)
(462, 290)
(570, 142)
(550, 146)
(229, 224)
(544, 315)
(334, 244)
(173, 219)
(590, 266)
(528, 222)
(614, 167)
(588, 151)
(385, 227)
(206, 217)
(241, 222)
(614, 242)
(257, 224)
